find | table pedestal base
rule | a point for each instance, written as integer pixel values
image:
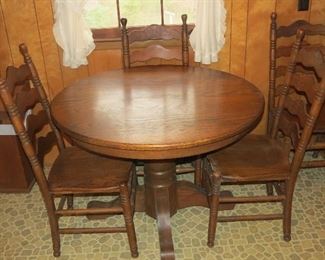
(161, 201)
(163, 195)
(160, 198)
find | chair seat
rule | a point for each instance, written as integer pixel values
(254, 158)
(78, 171)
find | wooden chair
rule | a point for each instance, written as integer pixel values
(279, 54)
(155, 38)
(75, 171)
(265, 158)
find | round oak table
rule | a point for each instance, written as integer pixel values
(158, 114)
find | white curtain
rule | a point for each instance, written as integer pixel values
(72, 33)
(207, 38)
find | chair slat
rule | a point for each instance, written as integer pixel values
(298, 107)
(156, 51)
(16, 76)
(154, 32)
(157, 37)
(289, 126)
(35, 123)
(27, 98)
(282, 70)
(44, 145)
(310, 29)
(305, 83)
(313, 57)
(283, 51)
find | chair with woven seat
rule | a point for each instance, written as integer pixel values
(140, 46)
(260, 159)
(280, 41)
(75, 171)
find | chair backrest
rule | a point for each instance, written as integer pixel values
(18, 97)
(277, 52)
(299, 105)
(153, 37)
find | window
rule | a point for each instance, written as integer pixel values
(106, 13)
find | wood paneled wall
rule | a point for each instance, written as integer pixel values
(245, 52)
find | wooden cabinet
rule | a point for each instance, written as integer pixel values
(15, 171)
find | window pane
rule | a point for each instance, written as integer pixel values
(101, 13)
(173, 10)
(140, 12)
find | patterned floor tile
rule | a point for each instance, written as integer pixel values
(25, 231)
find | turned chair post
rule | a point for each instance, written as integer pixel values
(74, 172)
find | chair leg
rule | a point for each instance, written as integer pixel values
(287, 208)
(54, 225)
(127, 214)
(214, 207)
(315, 154)
(55, 239)
(198, 171)
(70, 201)
(214, 204)
(269, 189)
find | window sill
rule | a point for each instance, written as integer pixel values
(107, 35)
(114, 34)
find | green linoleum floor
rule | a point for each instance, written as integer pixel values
(24, 231)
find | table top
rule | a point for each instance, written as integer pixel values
(158, 112)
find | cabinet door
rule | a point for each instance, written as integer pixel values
(15, 171)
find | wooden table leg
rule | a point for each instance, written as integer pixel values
(161, 201)
(162, 196)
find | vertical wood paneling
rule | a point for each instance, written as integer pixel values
(44, 15)
(246, 51)
(317, 16)
(101, 60)
(22, 27)
(238, 37)
(317, 12)
(71, 75)
(287, 12)
(224, 55)
(257, 50)
(5, 52)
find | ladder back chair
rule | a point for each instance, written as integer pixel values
(265, 158)
(279, 54)
(74, 172)
(154, 36)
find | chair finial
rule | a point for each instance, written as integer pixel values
(273, 16)
(23, 49)
(184, 18)
(124, 21)
(300, 34)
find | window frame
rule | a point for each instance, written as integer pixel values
(113, 34)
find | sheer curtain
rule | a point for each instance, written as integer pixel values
(207, 38)
(72, 33)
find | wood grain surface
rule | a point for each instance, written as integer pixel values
(246, 37)
(158, 112)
